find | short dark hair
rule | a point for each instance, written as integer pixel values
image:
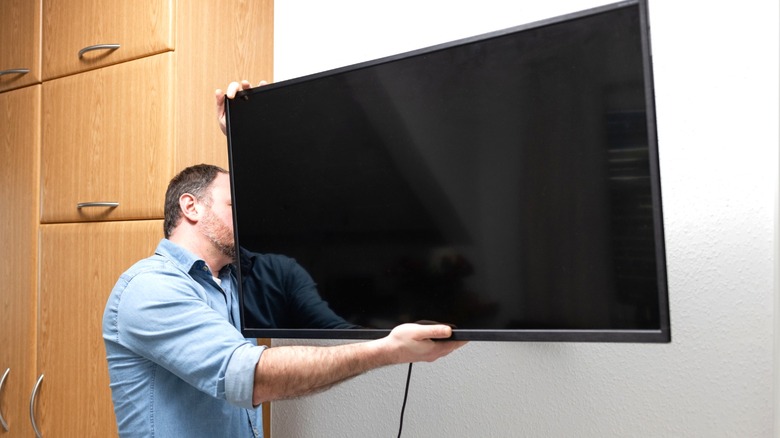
(194, 180)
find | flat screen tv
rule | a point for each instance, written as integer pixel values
(506, 184)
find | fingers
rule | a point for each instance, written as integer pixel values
(419, 343)
(230, 93)
(442, 347)
(220, 98)
(440, 332)
(428, 330)
(234, 87)
(447, 347)
(420, 332)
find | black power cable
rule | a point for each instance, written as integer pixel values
(406, 394)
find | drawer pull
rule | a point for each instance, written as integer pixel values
(2, 381)
(32, 406)
(15, 71)
(97, 204)
(97, 47)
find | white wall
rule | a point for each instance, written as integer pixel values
(716, 72)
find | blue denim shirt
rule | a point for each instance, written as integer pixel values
(178, 363)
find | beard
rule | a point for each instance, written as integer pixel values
(220, 235)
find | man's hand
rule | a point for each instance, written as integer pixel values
(232, 89)
(415, 343)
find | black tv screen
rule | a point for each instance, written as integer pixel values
(506, 184)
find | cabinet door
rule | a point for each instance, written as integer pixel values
(20, 43)
(80, 263)
(138, 27)
(244, 48)
(19, 148)
(107, 137)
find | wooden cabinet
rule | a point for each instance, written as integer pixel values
(107, 137)
(19, 149)
(119, 133)
(243, 50)
(111, 126)
(81, 35)
(20, 43)
(80, 263)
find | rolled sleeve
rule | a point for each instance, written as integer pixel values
(240, 375)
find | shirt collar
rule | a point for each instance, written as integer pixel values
(186, 260)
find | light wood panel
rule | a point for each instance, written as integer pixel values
(215, 46)
(80, 263)
(107, 138)
(20, 152)
(140, 27)
(108, 131)
(20, 38)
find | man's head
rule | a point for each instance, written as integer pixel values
(200, 195)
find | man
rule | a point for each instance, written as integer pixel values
(178, 363)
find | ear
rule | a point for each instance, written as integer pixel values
(190, 207)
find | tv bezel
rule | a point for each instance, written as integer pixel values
(660, 335)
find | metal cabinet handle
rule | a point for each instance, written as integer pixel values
(32, 406)
(97, 47)
(15, 71)
(97, 204)
(2, 382)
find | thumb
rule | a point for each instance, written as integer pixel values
(436, 331)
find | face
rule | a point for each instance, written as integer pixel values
(217, 222)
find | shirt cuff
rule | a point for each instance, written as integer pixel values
(240, 375)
